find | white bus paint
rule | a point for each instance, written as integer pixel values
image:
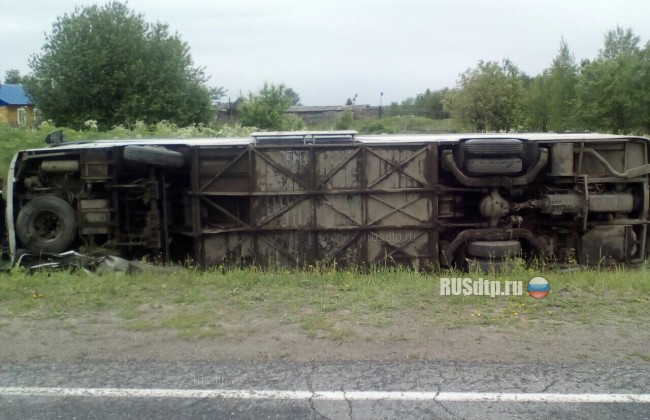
(244, 394)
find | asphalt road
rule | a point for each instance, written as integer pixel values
(342, 390)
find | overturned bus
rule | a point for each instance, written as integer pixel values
(299, 198)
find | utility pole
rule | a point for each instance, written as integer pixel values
(381, 98)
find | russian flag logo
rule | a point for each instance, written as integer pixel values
(538, 287)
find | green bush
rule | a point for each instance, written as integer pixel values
(344, 122)
(375, 127)
(292, 123)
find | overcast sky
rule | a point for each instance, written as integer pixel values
(329, 50)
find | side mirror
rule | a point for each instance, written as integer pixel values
(54, 137)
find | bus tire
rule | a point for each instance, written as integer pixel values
(485, 166)
(496, 250)
(494, 147)
(47, 224)
(154, 155)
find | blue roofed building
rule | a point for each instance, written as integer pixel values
(16, 108)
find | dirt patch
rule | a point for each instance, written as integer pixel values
(108, 336)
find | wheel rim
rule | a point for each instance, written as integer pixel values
(47, 226)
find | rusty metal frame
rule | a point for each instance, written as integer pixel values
(400, 248)
(277, 214)
(396, 167)
(394, 209)
(228, 166)
(330, 205)
(364, 200)
(312, 189)
(224, 211)
(279, 168)
(329, 176)
(432, 177)
(278, 248)
(343, 246)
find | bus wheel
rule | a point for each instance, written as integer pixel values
(47, 224)
(494, 147)
(492, 256)
(493, 166)
(154, 155)
(496, 250)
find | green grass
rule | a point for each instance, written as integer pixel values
(323, 305)
(190, 324)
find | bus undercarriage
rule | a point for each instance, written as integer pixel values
(298, 199)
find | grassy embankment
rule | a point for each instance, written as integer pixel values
(327, 304)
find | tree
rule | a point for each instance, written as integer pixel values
(293, 97)
(619, 42)
(644, 111)
(352, 101)
(266, 108)
(107, 64)
(393, 109)
(611, 93)
(561, 85)
(429, 104)
(537, 99)
(13, 77)
(490, 97)
(217, 93)
(407, 107)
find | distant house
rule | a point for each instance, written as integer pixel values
(227, 111)
(316, 114)
(15, 107)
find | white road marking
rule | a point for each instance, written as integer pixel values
(244, 394)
